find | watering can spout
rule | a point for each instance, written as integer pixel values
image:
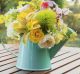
(57, 47)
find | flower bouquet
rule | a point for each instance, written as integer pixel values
(41, 30)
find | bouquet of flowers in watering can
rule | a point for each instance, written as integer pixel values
(39, 21)
(39, 26)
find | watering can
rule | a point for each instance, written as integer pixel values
(33, 58)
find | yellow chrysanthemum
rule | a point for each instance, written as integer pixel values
(58, 38)
(32, 24)
(36, 35)
(18, 27)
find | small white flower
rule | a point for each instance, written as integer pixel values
(47, 42)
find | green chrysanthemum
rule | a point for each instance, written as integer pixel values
(47, 19)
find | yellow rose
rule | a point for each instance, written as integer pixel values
(36, 35)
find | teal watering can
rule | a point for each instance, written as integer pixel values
(33, 58)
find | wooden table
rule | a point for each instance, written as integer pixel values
(66, 61)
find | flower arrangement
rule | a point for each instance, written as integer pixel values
(39, 21)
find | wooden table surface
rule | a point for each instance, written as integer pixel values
(66, 61)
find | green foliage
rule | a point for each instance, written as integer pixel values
(73, 22)
(75, 9)
(3, 33)
(74, 43)
(12, 13)
(5, 5)
(60, 3)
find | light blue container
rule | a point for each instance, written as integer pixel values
(33, 58)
